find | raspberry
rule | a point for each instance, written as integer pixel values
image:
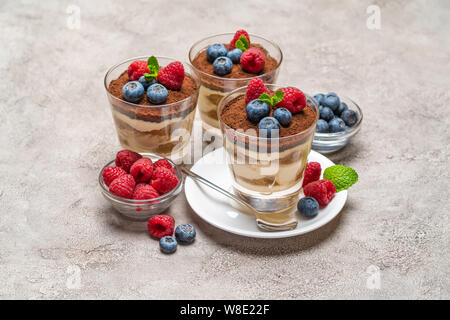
(110, 173)
(236, 38)
(165, 164)
(144, 191)
(294, 100)
(253, 60)
(172, 75)
(123, 186)
(312, 173)
(321, 190)
(255, 88)
(137, 70)
(163, 180)
(160, 226)
(126, 158)
(142, 170)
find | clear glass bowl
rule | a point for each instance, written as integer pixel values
(214, 88)
(267, 173)
(163, 129)
(331, 142)
(142, 210)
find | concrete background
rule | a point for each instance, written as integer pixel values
(60, 239)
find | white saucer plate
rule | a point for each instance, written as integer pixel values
(225, 214)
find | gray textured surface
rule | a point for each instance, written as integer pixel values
(57, 132)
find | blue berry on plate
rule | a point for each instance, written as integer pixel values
(342, 107)
(318, 97)
(336, 125)
(331, 100)
(146, 83)
(157, 93)
(235, 55)
(284, 116)
(322, 126)
(222, 66)
(185, 233)
(308, 207)
(133, 91)
(216, 50)
(350, 117)
(326, 114)
(168, 244)
(256, 110)
(268, 126)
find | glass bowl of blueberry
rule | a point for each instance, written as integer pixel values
(340, 119)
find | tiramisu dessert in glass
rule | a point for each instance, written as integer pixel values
(229, 61)
(153, 101)
(267, 133)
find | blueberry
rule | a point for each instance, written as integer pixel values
(342, 107)
(157, 93)
(331, 100)
(326, 114)
(283, 116)
(146, 83)
(308, 207)
(222, 66)
(350, 117)
(185, 233)
(256, 110)
(318, 97)
(133, 91)
(322, 126)
(168, 244)
(216, 50)
(268, 126)
(336, 125)
(235, 55)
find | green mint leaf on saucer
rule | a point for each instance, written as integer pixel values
(272, 101)
(342, 177)
(277, 97)
(153, 68)
(242, 43)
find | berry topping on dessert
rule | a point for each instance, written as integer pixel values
(172, 75)
(222, 66)
(185, 233)
(255, 89)
(168, 244)
(126, 158)
(256, 110)
(137, 70)
(160, 226)
(253, 60)
(283, 115)
(142, 170)
(157, 93)
(145, 83)
(123, 186)
(133, 91)
(294, 100)
(312, 173)
(144, 191)
(269, 127)
(216, 50)
(235, 55)
(163, 180)
(165, 164)
(321, 190)
(111, 173)
(237, 36)
(308, 207)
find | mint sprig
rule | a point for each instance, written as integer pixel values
(341, 176)
(242, 43)
(272, 100)
(153, 68)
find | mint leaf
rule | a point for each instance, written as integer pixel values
(342, 177)
(265, 98)
(153, 68)
(277, 97)
(272, 101)
(242, 43)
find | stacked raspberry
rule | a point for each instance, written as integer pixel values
(135, 177)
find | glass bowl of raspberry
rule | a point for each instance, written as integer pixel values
(125, 183)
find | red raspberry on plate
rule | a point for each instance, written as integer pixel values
(255, 88)
(160, 226)
(142, 170)
(163, 180)
(110, 173)
(294, 100)
(144, 191)
(236, 38)
(165, 164)
(253, 60)
(123, 186)
(172, 75)
(137, 69)
(321, 190)
(126, 158)
(312, 173)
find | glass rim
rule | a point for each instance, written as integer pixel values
(234, 79)
(242, 134)
(111, 69)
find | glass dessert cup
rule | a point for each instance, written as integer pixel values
(267, 172)
(163, 129)
(213, 88)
